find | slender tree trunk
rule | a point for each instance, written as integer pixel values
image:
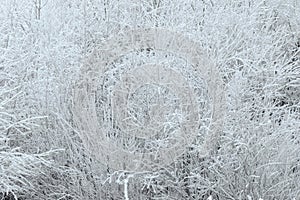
(38, 9)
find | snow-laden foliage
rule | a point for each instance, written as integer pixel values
(44, 48)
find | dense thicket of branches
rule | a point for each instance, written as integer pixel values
(254, 44)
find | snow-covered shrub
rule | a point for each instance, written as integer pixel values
(254, 44)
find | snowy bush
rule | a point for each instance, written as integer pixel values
(54, 54)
